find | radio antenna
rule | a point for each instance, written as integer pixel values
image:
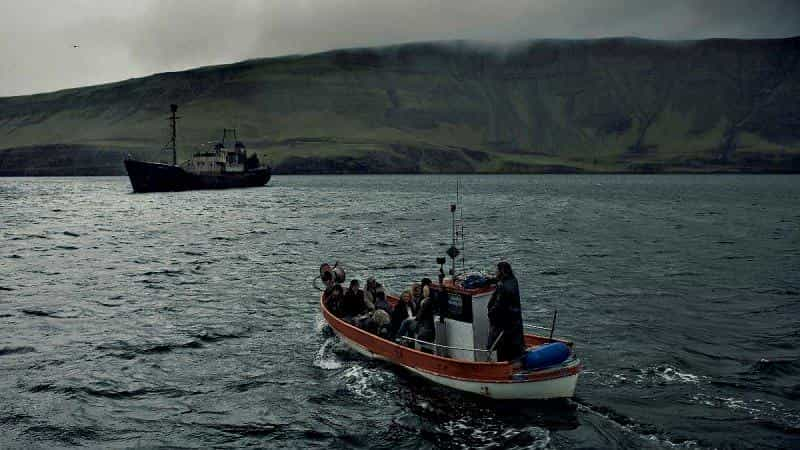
(457, 232)
(463, 236)
(453, 251)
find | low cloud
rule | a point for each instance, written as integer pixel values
(119, 40)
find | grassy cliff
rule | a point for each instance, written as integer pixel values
(541, 106)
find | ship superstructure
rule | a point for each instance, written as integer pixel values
(221, 168)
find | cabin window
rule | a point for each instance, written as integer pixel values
(455, 306)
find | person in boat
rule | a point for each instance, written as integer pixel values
(416, 294)
(426, 330)
(403, 315)
(353, 303)
(327, 281)
(505, 316)
(375, 297)
(424, 282)
(376, 321)
(335, 299)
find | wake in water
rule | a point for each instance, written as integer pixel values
(325, 358)
(367, 382)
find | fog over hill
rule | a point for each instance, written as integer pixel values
(624, 104)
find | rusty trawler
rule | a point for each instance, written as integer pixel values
(222, 168)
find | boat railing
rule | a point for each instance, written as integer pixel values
(434, 345)
(552, 328)
(560, 335)
(536, 327)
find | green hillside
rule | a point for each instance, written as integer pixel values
(541, 106)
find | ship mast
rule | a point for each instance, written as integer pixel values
(173, 122)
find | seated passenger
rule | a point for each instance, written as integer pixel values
(416, 294)
(403, 315)
(424, 282)
(426, 330)
(334, 300)
(353, 303)
(375, 297)
(376, 322)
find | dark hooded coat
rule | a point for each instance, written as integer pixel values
(505, 315)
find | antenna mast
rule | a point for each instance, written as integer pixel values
(461, 227)
(453, 251)
(173, 122)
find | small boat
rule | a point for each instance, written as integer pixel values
(461, 357)
(222, 168)
(466, 368)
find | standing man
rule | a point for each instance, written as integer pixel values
(505, 315)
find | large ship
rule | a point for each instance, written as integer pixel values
(222, 168)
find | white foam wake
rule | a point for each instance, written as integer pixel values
(325, 359)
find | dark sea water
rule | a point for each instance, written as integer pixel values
(189, 319)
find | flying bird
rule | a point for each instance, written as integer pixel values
(75, 45)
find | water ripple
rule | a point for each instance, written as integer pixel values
(189, 319)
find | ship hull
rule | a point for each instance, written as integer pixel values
(157, 177)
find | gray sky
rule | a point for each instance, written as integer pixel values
(124, 39)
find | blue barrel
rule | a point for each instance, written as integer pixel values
(546, 356)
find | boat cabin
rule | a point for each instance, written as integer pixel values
(462, 325)
(222, 159)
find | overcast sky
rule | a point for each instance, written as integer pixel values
(124, 39)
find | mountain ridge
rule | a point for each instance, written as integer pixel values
(604, 105)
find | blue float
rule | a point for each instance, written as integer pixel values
(546, 355)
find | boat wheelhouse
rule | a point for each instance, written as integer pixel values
(222, 159)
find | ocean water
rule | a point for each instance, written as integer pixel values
(190, 320)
